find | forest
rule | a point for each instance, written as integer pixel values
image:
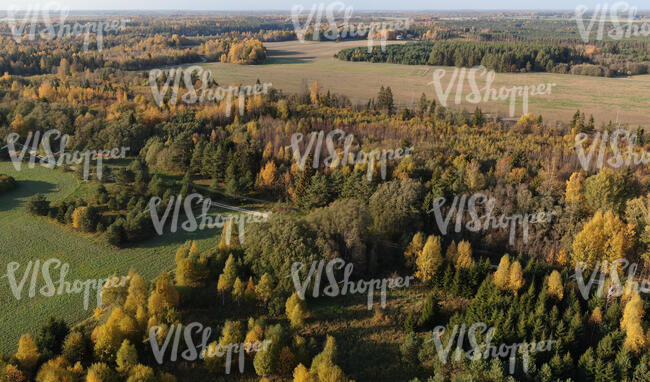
(505, 57)
(524, 287)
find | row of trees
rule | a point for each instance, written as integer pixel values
(499, 56)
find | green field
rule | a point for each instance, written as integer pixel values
(25, 237)
(292, 64)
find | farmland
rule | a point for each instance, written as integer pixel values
(292, 65)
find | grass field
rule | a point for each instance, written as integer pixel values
(25, 237)
(292, 64)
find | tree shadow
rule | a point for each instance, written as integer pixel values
(179, 237)
(290, 60)
(277, 56)
(24, 189)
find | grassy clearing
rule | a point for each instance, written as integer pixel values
(292, 64)
(24, 237)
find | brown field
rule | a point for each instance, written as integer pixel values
(293, 64)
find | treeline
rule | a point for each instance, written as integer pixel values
(123, 52)
(501, 57)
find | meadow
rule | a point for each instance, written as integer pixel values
(25, 237)
(293, 65)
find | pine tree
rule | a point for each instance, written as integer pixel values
(389, 101)
(422, 105)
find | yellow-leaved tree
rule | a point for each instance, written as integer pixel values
(555, 287)
(635, 340)
(268, 174)
(604, 237)
(574, 193)
(414, 249)
(429, 260)
(502, 274)
(464, 257)
(296, 310)
(264, 289)
(27, 354)
(516, 277)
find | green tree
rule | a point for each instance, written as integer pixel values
(394, 207)
(38, 205)
(50, 337)
(605, 191)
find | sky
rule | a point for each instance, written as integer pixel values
(257, 5)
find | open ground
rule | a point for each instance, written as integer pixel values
(293, 64)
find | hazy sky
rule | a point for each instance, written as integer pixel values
(288, 4)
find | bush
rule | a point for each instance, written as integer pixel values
(429, 312)
(589, 70)
(89, 219)
(7, 183)
(410, 348)
(38, 205)
(115, 234)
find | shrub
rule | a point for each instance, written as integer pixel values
(7, 183)
(38, 205)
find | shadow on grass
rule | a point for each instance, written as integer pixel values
(277, 56)
(179, 237)
(24, 189)
(290, 60)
